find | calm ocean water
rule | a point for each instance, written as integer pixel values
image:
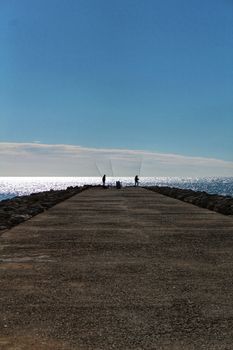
(18, 186)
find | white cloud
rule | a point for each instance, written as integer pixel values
(36, 159)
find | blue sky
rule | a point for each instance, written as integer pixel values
(149, 75)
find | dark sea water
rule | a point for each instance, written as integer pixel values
(18, 186)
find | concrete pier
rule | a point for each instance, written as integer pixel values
(122, 269)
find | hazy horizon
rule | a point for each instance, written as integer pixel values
(35, 159)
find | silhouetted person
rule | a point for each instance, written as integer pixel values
(104, 179)
(118, 185)
(136, 180)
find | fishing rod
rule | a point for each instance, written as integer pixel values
(98, 169)
(140, 167)
(111, 167)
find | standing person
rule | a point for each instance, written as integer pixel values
(136, 180)
(104, 179)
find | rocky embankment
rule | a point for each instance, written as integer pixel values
(18, 209)
(220, 204)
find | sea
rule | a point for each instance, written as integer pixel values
(18, 186)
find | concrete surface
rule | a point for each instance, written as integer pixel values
(122, 269)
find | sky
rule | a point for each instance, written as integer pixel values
(125, 76)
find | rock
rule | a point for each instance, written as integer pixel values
(16, 219)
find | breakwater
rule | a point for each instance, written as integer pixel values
(118, 269)
(218, 203)
(18, 209)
